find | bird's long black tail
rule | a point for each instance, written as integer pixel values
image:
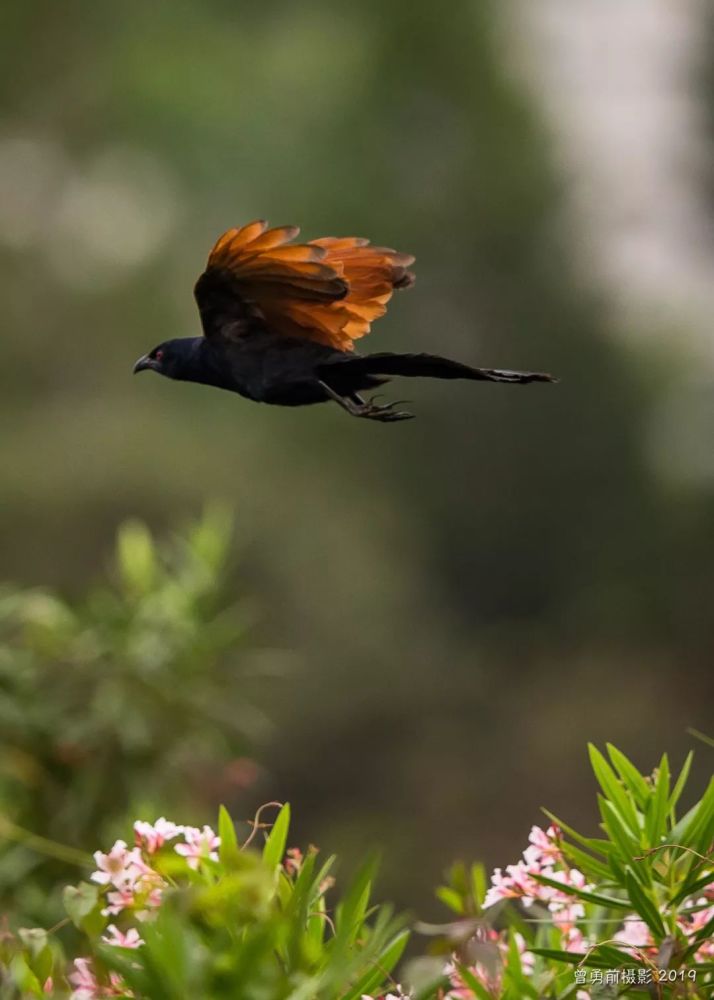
(430, 366)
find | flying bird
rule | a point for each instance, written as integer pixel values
(280, 320)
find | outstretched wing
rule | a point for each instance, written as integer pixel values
(328, 290)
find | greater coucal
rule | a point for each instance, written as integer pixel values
(279, 320)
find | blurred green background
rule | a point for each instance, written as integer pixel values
(457, 603)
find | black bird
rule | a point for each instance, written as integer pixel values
(279, 320)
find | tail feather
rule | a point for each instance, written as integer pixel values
(432, 366)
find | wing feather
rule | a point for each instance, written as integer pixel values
(328, 290)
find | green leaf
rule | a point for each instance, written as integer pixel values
(590, 897)
(23, 977)
(691, 887)
(34, 939)
(627, 847)
(514, 971)
(351, 912)
(315, 931)
(384, 963)
(644, 905)
(696, 829)
(680, 783)
(472, 982)
(80, 901)
(573, 957)
(451, 899)
(602, 847)
(41, 959)
(589, 865)
(696, 822)
(616, 957)
(479, 884)
(657, 806)
(702, 831)
(136, 557)
(614, 791)
(298, 909)
(229, 851)
(629, 774)
(274, 849)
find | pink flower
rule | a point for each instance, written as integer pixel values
(84, 981)
(118, 900)
(146, 891)
(566, 915)
(574, 940)
(152, 836)
(518, 883)
(121, 940)
(116, 867)
(635, 934)
(564, 906)
(200, 845)
(515, 884)
(87, 986)
(544, 847)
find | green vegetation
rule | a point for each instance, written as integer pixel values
(138, 695)
(188, 912)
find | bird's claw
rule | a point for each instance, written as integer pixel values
(387, 413)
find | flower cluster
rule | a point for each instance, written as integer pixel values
(131, 881)
(133, 887)
(544, 857)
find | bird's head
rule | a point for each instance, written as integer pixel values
(171, 358)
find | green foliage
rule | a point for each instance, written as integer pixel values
(141, 687)
(580, 917)
(652, 872)
(245, 926)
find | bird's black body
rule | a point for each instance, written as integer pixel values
(251, 294)
(269, 368)
(264, 367)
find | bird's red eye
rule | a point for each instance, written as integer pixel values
(158, 355)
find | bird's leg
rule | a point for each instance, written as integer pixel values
(358, 407)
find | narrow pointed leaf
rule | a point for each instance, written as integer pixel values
(274, 849)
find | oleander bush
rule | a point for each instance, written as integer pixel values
(187, 912)
(620, 914)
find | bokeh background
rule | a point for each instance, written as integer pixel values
(453, 605)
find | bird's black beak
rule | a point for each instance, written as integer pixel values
(143, 363)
